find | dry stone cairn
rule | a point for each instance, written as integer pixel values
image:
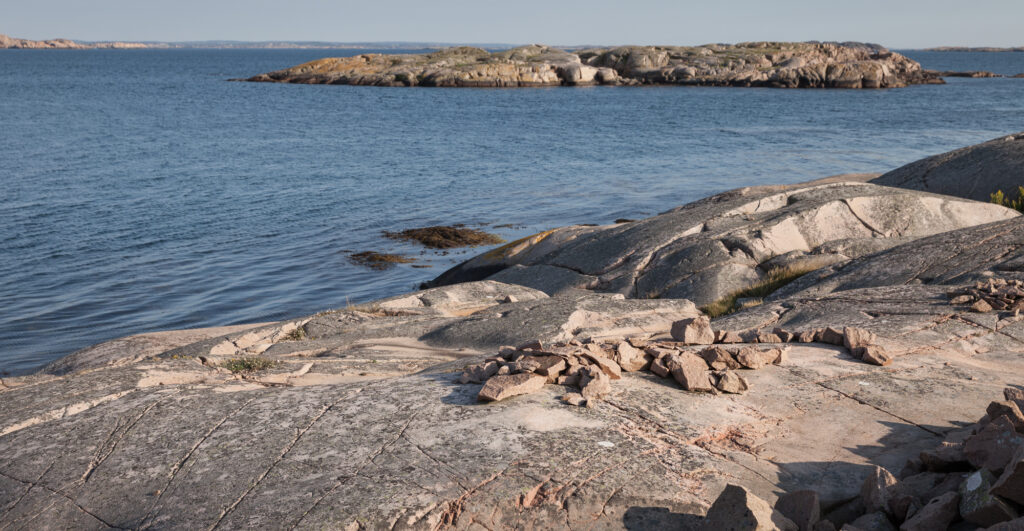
(995, 294)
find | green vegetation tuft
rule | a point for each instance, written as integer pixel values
(776, 279)
(295, 335)
(249, 364)
(1017, 204)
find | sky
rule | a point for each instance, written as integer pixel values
(893, 23)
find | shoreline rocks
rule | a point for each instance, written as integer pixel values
(754, 64)
(365, 416)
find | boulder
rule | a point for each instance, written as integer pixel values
(1010, 484)
(978, 506)
(730, 382)
(630, 358)
(875, 490)
(502, 387)
(693, 331)
(875, 521)
(690, 371)
(755, 358)
(802, 507)
(719, 359)
(994, 445)
(1008, 409)
(595, 384)
(855, 338)
(936, 514)
(738, 508)
(873, 354)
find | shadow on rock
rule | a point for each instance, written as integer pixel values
(640, 518)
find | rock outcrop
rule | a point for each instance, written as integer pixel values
(718, 246)
(755, 64)
(371, 416)
(974, 172)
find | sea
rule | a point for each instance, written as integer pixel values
(140, 190)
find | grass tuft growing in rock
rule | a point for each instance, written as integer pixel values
(1000, 198)
(295, 335)
(446, 236)
(249, 364)
(776, 278)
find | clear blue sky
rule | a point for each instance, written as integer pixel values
(894, 23)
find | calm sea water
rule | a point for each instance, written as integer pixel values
(142, 191)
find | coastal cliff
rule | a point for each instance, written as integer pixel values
(849, 396)
(755, 64)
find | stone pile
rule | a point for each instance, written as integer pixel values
(972, 480)
(590, 366)
(994, 294)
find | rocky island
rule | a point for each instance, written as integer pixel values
(754, 64)
(863, 367)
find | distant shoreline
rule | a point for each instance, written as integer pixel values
(7, 42)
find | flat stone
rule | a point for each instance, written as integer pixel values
(875, 490)
(693, 331)
(502, 387)
(936, 514)
(802, 507)
(738, 508)
(993, 446)
(1010, 484)
(978, 506)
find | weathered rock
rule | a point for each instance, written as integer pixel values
(607, 366)
(502, 387)
(727, 336)
(755, 358)
(978, 506)
(1008, 409)
(946, 457)
(1016, 524)
(874, 521)
(630, 358)
(479, 373)
(595, 384)
(719, 359)
(659, 367)
(738, 508)
(936, 514)
(972, 172)
(690, 371)
(1010, 484)
(712, 248)
(802, 507)
(693, 331)
(831, 336)
(873, 354)
(1014, 395)
(993, 446)
(981, 307)
(550, 366)
(875, 490)
(855, 338)
(574, 399)
(780, 65)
